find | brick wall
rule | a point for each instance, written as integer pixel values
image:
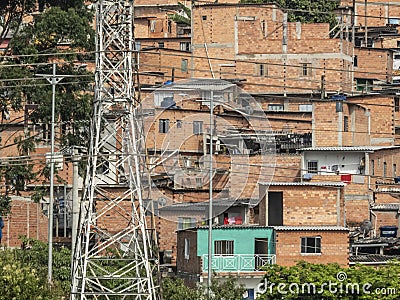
(334, 247)
(329, 128)
(374, 64)
(378, 12)
(308, 205)
(385, 218)
(26, 219)
(259, 41)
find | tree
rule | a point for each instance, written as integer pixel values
(24, 272)
(184, 15)
(61, 33)
(306, 11)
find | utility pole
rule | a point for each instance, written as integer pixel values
(210, 208)
(75, 200)
(53, 79)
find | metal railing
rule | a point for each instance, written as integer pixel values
(238, 262)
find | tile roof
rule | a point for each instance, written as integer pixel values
(350, 148)
(316, 183)
(310, 228)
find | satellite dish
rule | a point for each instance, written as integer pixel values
(365, 227)
(249, 110)
(162, 201)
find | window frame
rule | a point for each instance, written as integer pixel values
(276, 107)
(187, 248)
(186, 222)
(184, 65)
(197, 127)
(224, 247)
(163, 125)
(305, 247)
(306, 70)
(310, 169)
(345, 124)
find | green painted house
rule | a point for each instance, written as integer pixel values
(234, 249)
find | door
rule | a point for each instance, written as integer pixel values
(260, 252)
(275, 208)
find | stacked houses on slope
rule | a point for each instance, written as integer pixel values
(332, 111)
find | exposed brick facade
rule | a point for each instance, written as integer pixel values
(334, 247)
(307, 205)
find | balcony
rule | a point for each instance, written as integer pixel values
(238, 262)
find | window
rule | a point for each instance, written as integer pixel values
(306, 69)
(185, 46)
(345, 123)
(184, 222)
(305, 107)
(312, 166)
(396, 56)
(372, 167)
(137, 45)
(199, 182)
(384, 169)
(311, 245)
(394, 171)
(163, 125)
(398, 44)
(169, 26)
(396, 104)
(46, 132)
(150, 207)
(178, 123)
(275, 107)
(223, 247)
(161, 44)
(184, 65)
(355, 61)
(197, 127)
(187, 248)
(261, 70)
(264, 28)
(153, 25)
(204, 18)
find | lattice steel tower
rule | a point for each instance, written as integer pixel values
(114, 256)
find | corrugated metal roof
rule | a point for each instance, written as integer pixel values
(227, 227)
(388, 190)
(310, 228)
(322, 183)
(354, 148)
(386, 206)
(372, 258)
(199, 84)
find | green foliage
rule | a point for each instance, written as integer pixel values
(64, 27)
(175, 289)
(184, 16)
(5, 205)
(35, 254)
(24, 272)
(321, 275)
(306, 11)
